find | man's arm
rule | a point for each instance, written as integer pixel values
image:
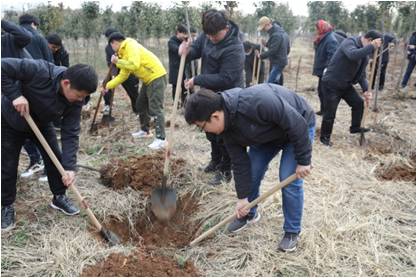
(46, 52)
(126, 66)
(21, 36)
(273, 47)
(330, 50)
(64, 57)
(353, 53)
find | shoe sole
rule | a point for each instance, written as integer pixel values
(250, 222)
(142, 137)
(63, 211)
(287, 250)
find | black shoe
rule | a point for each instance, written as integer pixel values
(359, 130)
(211, 167)
(289, 242)
(319, 113)
(220, 177)
(64, 204)
(8, 216)
(239, 224)
(326, 141)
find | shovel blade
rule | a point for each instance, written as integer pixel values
(164, 203)
(362, 140)
(110, 237)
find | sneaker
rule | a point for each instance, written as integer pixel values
(220, 177)
(211, 167)
(157, 144)
(43, 178)
(326, 141)
(32, 169)
(64, 204)
(142, 134)
(106, 110)
(404, 90)
(289, 242)
(240, 223)
(8, 218)
(359, 130)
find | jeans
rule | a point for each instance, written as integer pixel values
(275, 75)
(408, 72)
(292, 194)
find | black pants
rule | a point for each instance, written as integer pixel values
(183, 95)
(12, 141)
(320, 91)
(382, 78)
(131, 85)
(219, 153)
(332, 95)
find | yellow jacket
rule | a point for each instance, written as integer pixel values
(136, 59)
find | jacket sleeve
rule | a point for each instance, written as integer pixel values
(14, 70)
(46, 52)
(363, 82)
(196, 48)
(173, 47)
(20, 35)
(353, 53)
(274, 46)
(330, 50)
(70, 131)
(109, 52)
(126, 66)
(65, 58)
(241, 167)
(231, 67)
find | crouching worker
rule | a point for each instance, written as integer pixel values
(268, 118)
(47, 92)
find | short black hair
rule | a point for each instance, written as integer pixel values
(373, 34)
(116, 36)
(214, 21)
(28, 19)
(110, 31)
(82, 77)
(54, 39)
(200, 105)
(181, 29)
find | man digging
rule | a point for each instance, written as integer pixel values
(268, 118)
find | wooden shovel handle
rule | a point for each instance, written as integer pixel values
(258, 200)
(61, 170)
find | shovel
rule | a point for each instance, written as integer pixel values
(258, 200)
(164, 198)
(108, 235)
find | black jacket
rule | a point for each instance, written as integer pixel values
(264, 114)
(174, 59)
(38, 47)
(348, 64)
(222, 63)
(411, 52)
(250, 66)
(387, 39)
(278, 46)
(13, 40)
(61, 57)
(323, 52)
(340, 36)
(38, 81)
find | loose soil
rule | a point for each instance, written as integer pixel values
(398, 170)
(139, 172)
(140, 263)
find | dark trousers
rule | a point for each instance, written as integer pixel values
(12, 141)
(183, 94)
(332, 96)
(382, 78)
(409, 71)
(131, 85)
(320, 91)
(33, 152)
(219, 153)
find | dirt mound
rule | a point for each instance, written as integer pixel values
(147, 230)
(139, 172)
(141, 263)
(404, 170)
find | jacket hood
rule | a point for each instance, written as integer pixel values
(276, 28)
(231, 99)
(232, 35)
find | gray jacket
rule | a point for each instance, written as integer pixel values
(278, 46)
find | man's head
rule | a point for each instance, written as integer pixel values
(215, 25)
(264, 24)
(109, 31)
(370, 36)
(193, 32)
(54, 42)
(78, 82)
(29, 20)
(115, 40)
(205, 109)
(181, 32)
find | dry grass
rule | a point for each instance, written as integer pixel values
(353, 224)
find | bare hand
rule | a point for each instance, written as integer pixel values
(184, 48)
(368, 96)
(114, 59)
(21, 104)
(302, 171)
(240, 210)
(189, 84)
(69, 178)
(377, 43)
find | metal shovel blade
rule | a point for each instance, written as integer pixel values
(164, 203)
(110, 237)
(362, 140)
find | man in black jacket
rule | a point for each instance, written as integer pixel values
(222, 62)
(268, 118)
(251, 63)
(48, 92)
(131, 84)
(411, 56)
(387, 41)
(60, 54)
(278, 46)
(347, 67)
(14, 39)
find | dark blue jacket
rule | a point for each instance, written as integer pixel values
(264, 114)
(278, 46)
(348, 64)
(323, 52)
(222, 63)
(61, 57)
(38, 47)
(13, 40)
(39, 82)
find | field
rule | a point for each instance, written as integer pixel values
(359, 216)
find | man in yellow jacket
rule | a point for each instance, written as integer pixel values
(133, 58)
